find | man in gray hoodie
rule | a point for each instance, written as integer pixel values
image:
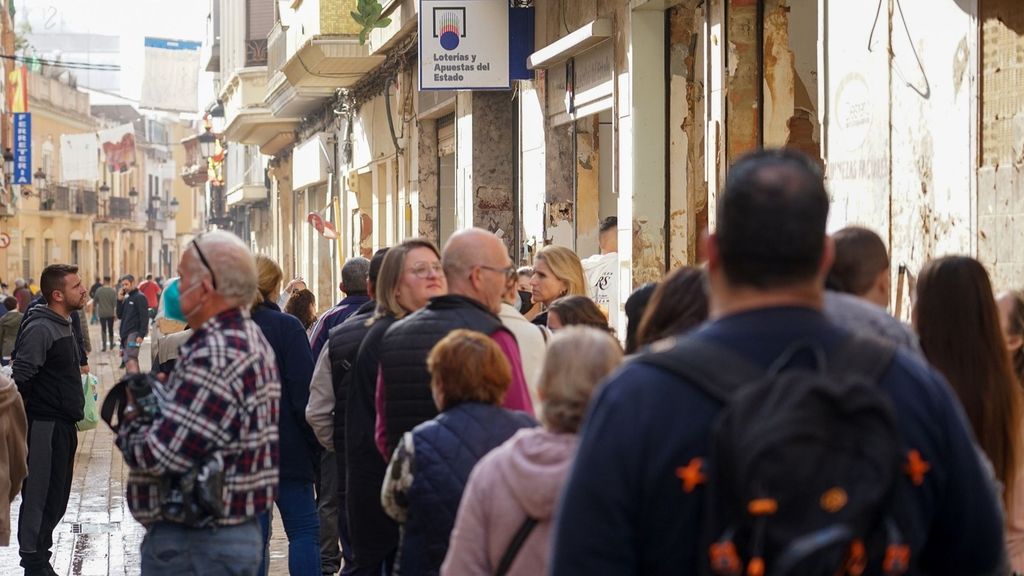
(46, 370)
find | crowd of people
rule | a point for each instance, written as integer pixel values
(454, 414)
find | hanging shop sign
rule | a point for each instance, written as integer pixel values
(22, 148)
(464, 45)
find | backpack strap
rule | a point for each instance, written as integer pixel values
(716, 370)
(513, 547)
(870, 357)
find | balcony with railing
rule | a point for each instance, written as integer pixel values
(119, 208)
(246, 176)
(70, 199)
(277, 52)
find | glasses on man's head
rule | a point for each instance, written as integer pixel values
(423, 269)
(508, 271)
(202, 258)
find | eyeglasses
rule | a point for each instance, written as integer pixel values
(423, 269)
(508, 271)
(202, 258)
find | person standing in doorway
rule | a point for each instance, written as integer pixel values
(105, 304)
(46, 370)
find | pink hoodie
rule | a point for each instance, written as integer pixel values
(523, 476)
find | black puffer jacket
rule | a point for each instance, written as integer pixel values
(403, 358)
(374, 534)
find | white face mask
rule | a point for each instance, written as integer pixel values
(519, 301)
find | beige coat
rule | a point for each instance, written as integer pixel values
(13, 452)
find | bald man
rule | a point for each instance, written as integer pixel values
(476, 265)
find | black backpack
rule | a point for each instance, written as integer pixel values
(805, 463)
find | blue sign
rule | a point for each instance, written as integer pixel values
(22, 148)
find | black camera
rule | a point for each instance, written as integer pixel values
(145, 401)
(196, 498)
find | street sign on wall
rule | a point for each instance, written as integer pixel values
(464, 45)
(22, 148)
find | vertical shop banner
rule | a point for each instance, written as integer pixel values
(171, 79)
(464, 45)
(22, 148)
(17, 90)
(118, 146)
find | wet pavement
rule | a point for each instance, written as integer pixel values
(98, 536)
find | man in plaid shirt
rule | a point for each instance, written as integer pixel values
(220, 403)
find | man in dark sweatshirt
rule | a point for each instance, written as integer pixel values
(46, 370)
(133, 310)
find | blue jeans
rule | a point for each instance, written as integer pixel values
(177, 550)
(297, 506)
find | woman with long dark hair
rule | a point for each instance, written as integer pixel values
(958, 323)
(679, 304)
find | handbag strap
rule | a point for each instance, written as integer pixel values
(513, 547)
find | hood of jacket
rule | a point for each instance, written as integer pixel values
(536, 466)
(43, 312)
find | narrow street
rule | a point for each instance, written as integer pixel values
(98, 536)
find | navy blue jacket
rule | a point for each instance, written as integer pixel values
(299, 447)
(336, 316)
(445, 450)
(625, 511)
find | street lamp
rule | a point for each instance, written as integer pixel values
(8, 163)
(207, 143)
(174, 206)
(40, 179)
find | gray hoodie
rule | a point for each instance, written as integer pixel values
(46, 367)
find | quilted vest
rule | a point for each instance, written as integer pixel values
(403, 358)
(445, 450)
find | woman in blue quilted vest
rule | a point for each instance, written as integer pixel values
(428, 472)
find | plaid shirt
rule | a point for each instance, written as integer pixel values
(222, 398)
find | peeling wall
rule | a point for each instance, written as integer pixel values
(588, 186)
(1000, 178)
(428, 180)
(743, 79)
(494, 135)
(688, 194)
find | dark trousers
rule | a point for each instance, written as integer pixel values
(51, 461)
(327, 509)
(107, 332)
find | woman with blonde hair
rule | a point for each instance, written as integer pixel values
(557, 272)
(298, 446)
(410, 275)
(428, 471)
(516, 486)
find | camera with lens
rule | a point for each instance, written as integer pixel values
(196, 498)
(144, 401)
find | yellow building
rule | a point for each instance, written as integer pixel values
(51, 221)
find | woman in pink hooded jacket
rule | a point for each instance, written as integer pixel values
(514, 490)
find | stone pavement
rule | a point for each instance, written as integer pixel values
(98, 536)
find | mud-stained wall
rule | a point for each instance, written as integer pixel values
(790, 55)
(743, 78)
(1000, 178)
(428, 180)
(688, 194)
(494, 136)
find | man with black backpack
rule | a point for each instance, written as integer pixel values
(769, 441)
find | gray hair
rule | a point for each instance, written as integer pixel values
(577, 360)
(231, 263)
(354, 274)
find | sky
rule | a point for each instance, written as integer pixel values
(132, 20)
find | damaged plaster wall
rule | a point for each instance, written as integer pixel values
(428, 180)
(743, 79)
(900, 126)
(1000, 178)
(494, 133)
(688, 195)
(791, 76)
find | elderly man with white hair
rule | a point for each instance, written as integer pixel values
(219, 407)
